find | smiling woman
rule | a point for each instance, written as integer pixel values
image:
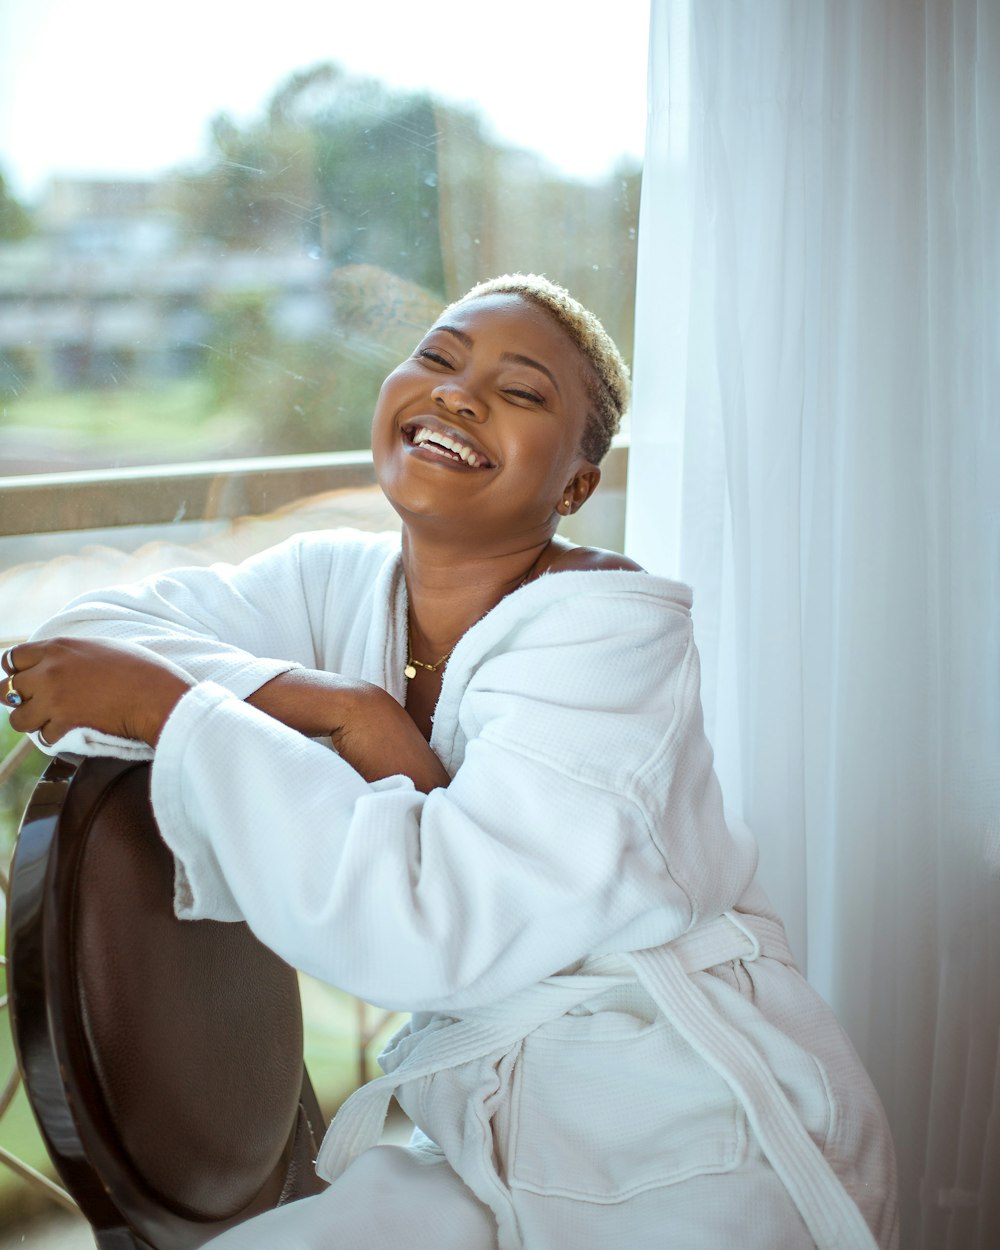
(518, 835)
(480, 441)
(474, 401)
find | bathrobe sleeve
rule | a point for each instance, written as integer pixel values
(583, 817)
(237, 625)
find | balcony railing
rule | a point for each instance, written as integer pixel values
(164, 495)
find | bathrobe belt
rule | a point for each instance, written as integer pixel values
(830, 1214)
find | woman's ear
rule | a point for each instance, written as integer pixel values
(579, 489)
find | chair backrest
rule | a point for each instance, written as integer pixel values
(162, 1058)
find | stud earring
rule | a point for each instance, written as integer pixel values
(566, 504)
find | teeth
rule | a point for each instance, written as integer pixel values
(449, 444)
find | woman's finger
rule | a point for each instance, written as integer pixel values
(24, 717)
(19, 683)
(24, 655)
(13, 696)
(16, 685)
(33, 715)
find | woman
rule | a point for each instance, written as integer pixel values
(518, 836)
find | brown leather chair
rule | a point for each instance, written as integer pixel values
(162, 1059)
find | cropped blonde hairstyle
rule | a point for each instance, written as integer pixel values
(607, 378)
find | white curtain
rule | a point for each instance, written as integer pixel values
(816, 449)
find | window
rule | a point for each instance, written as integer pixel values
(217, 235)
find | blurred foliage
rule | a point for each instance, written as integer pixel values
(15, 220)
(407, 201)
(341, 166)
(15, 790)
(348, 213)
(343, 169)
(309, 395)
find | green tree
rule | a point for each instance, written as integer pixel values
(406, 201)
(308, 395)
(342, 166)
(15, 220)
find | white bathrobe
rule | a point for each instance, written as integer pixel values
(610, 1045)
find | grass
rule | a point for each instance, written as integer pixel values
(19, 1135)
(175, 420)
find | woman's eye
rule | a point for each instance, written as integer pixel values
(428, 353)
(531, 397)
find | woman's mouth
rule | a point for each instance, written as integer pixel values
(449, 445)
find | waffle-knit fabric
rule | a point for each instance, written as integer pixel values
(583, 821)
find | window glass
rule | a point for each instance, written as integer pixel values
(220, 226)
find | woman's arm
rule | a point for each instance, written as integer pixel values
(367, 727)
(122, 690)
(239, 625)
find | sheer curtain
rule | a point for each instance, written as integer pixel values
(816, 449)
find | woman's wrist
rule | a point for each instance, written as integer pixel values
(159, 705)
(365, 724)
(315, 703)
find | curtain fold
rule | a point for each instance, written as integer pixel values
(816, 450)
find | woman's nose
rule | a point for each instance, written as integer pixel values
(459, 400)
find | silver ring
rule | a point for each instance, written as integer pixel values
(12, 698)
(42, 739)
(8, 658)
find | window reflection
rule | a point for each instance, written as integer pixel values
(252, 305)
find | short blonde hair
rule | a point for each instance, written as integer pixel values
(607, 379)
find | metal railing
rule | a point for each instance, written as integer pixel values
(97, 499)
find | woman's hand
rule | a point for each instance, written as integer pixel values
(71, 683)
(367, 726)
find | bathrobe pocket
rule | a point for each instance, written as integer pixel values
(605, 1106)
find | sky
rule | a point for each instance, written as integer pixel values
(121, 87)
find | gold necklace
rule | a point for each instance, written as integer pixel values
(410, 669)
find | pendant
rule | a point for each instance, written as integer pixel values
(409, 672)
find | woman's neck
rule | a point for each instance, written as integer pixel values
(449, 589)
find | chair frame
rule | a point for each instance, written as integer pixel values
(51, 1047)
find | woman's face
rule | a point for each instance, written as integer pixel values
(483, 422)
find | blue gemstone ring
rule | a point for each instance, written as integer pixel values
(12, 698)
